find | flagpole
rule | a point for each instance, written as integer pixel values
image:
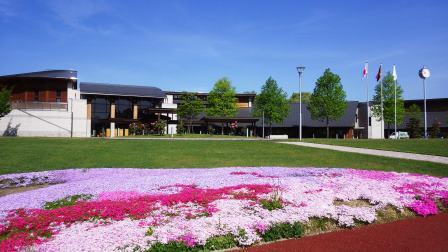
(382, 112)
(367, 103)
(395, 108)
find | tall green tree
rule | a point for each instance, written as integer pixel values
(5, 106)
(388, 101)
(273, 101)
(327, 102)
(222, 101)
(435, 129)
(305, 97)
(414, 124)
(190, 108)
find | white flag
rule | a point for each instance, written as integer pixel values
(365, 70)
(394, 73)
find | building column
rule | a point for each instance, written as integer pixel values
(112, 129)
(135, 110)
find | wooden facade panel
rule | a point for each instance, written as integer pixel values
(25, 90)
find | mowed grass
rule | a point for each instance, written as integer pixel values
(438, 147)
(38, 154)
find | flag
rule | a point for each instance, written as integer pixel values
(394, 73)
(365, 70)
(378, 75)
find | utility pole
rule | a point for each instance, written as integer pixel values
(300, 70)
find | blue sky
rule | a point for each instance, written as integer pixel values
(188, 45)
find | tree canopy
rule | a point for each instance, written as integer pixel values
(190, 108)
(5, 106)
(222, 100)
(273, 101)
(414, 124)
(327, 102)
(388, 101)
(305, 97)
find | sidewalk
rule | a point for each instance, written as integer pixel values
(384, 153)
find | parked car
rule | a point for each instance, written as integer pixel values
(400, 135)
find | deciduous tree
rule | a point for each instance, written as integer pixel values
(273, 101)
(414, 124)
(327, 102)
(388, 101)
(5, 106)
(222, 101)
(190, 108)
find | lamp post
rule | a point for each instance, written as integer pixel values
(300, 70)
(424, 74)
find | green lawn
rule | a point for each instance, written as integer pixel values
(187, 136)
(438, 147)
(36, 154)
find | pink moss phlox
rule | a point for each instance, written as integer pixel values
(189, 240)
(424, 207)
(256, 174)
(314, 191)
(261, 227)
(20, 223)
(118, 195)
(376, 175)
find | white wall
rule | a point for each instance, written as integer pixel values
(376, 131)
(49, 123)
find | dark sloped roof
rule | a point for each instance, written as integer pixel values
(57, 74)
(292, 120)
(120, 90)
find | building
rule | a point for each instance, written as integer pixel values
(51, 103)
(45, 103)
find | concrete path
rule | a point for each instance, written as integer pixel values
(384, 153)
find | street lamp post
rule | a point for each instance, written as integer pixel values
(300, 70)
(424, 74)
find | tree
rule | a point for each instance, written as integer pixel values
(388, 101)
(159, 127)
(305, 97)
(222, 101)
(190, 108)
(5, 106)
(327, 102)
(413, 126)
(273, 101)
(435, 129)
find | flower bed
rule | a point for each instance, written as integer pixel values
(189, 209)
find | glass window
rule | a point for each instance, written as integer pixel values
(123, 108)
(100, 108)
(36, 95)
(58, 95)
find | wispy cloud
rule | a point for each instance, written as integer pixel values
(6, 9)
(75, 14)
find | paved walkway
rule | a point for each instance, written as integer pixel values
(384, 153)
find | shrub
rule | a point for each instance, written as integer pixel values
(67, 201)
(283, 231)
(220, 242)
(173, 246)
(271, 204)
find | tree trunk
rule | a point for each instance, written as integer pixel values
(328, 129)
(222, 128)
(270, 128)
(190, 126)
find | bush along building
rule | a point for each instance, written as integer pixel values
(55, 103)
